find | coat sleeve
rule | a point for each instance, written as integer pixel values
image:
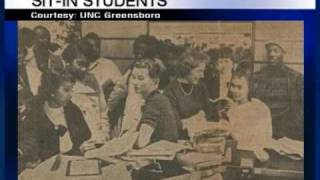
(78, 127)
(264, 128)
(297, 106)
(208, 107)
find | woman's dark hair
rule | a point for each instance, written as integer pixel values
(50, 83)
(244, 73)
(213, 54)
(154, 67)
(226, 52)
(75, 50)
(189, 60)
(218, 53)
(246, 66)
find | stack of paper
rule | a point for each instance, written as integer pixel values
(197, 161)
(198, 124)
(291, 148)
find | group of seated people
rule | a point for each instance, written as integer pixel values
(68, 105)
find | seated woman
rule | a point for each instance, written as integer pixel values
(187, 96)
(124, 104)
(249, 118)
(157, 118)
(124, 107)
(55, 125)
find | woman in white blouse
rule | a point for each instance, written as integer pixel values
(249, 119)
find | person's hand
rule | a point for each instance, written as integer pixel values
(230, 101)
(197, 119)
(227, 104)
(262, 155)
(223, 106)
(87, 145)
(226, 126)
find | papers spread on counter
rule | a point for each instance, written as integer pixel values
(161, 150)
(291, 148)
(114, 147)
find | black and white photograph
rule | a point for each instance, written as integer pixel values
(160, 100)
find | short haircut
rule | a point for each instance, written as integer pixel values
(226, 52)
(93, 36)
(213, 54)
(41, 29)
(74, 50)
(153, 66)
(239, 73)
(244, 73)
(152, 45)
(246, 66)
(146, 39)
(50, 82)
(189, 60)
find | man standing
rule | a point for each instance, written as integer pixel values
(37, 46)
(105, 71)
(29, 69)
(281, 88)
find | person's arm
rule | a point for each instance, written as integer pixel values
(150, 120)
(267, 124)
(79, 127)
(119, 92)
(103, 123)
(208, 108)
(263, 133)
(145, 134)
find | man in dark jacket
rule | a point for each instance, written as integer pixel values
(281, 88)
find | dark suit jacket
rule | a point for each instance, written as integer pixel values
(40, 139)
(212, 83)
(281, 89)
